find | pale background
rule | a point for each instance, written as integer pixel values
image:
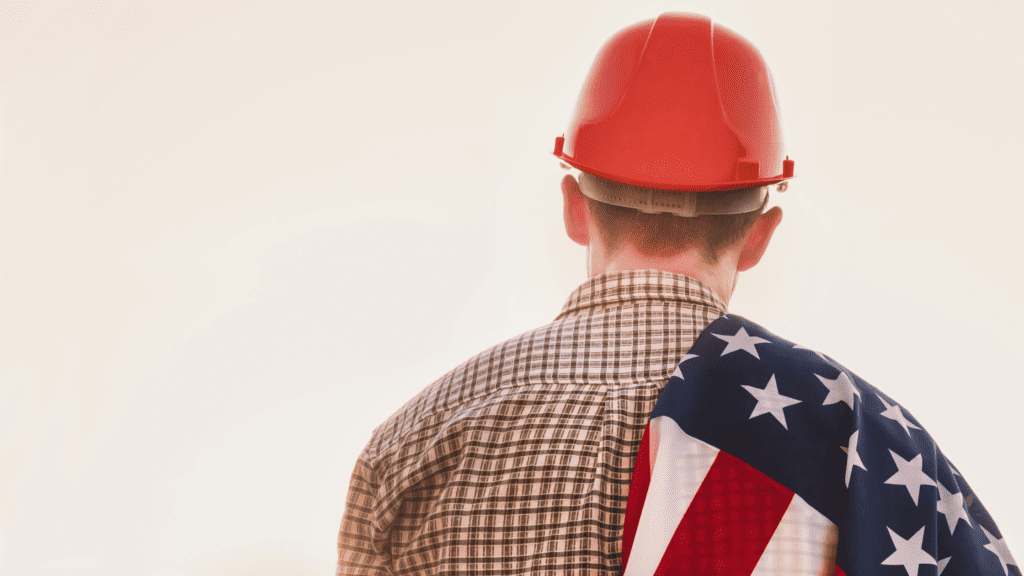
(236, 235)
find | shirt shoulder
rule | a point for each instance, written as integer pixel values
(489, 376)
(625, 335)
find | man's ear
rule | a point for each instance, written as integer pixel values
(574, 211)
(757, 239)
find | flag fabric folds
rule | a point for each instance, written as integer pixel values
(764, 457)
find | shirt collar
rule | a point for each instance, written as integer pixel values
(634, 285)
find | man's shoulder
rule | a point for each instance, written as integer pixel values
(793, 413)
(733, 349)
(750, 348)
(489, 375)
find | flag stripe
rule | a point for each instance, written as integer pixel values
(637, 493)
(680, 465)
(804, 544)
(729, 522)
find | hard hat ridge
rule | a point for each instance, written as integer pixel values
(678, 103)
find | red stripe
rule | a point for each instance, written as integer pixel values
(637, 494)
(728, 525)
(839, 571)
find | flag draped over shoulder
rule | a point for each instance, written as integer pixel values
(763, 457)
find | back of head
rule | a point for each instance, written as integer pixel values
(718, 220)
(677, 133)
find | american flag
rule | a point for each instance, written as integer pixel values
(764, 457)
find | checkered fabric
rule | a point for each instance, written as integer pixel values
(519, 460)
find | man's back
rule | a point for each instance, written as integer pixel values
(519, 460)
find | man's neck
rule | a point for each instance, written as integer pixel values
(720, 276)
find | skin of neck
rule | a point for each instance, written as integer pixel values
(720, 276)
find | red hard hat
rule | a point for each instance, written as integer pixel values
(678, 103)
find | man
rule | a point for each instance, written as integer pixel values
(519, 460)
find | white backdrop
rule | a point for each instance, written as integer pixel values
(236, 235)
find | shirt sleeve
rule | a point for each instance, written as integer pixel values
(359, 553)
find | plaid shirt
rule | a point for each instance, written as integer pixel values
(519, 460)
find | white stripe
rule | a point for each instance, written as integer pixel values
(680, 464)
(804, 544)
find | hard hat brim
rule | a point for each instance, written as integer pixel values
(661, 185)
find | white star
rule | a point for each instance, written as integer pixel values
(909, 474)
(769, 401)
(852, 457)
(942, 564)
(952, 506)
(909, 553)
(741, 341)
(893, 412)
(998, 547)
(679, 373)
(840, 389)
